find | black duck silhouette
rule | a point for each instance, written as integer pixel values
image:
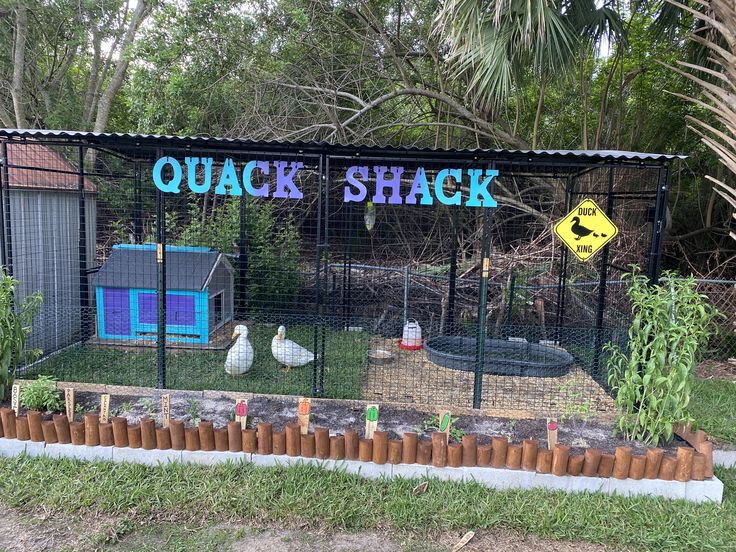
(581, 231)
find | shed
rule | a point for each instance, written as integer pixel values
(199, 293)
(46, 203)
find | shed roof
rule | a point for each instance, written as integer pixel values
(134, 266)
(38, 167)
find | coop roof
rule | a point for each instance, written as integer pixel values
(35, 166)
(134, 266)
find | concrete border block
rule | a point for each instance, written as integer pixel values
(710, 490)
(648, 487)
(80, 452)
(11, 447)
(142, 456)
(212, 458)
(34, 448)
(724, 458)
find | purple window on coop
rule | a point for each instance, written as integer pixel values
(179, 309)
(116, 303)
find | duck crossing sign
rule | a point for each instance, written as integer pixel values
(586, 230)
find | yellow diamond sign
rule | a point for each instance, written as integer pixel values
(586, 230)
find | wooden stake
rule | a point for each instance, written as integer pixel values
(104, 408)
(551, 433)
(15, 398)
(165, 410)
(445, 421)
(69, 400)
(371, 420)
(241, 412)
(304, 409)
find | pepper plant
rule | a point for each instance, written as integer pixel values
(15, 325)
(652, 376)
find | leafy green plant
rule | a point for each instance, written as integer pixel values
(148, 405)
(652, 379)
(433, 423)
(41, 394)
(15, 325)
(80, 409)
(194, 411)
(576, 407)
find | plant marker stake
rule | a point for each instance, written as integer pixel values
(463, 541)
(104, 408)
(165, 409)
(15, 398)
(303, 410)
(445, 421)
(551, 433)
(371, 420)
(69, 400)
(241, 412)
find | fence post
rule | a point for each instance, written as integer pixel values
(658, 225)
(242, 261)
(480, 338)
(602, 282)
(5, 210)
(83, 278)
(160, 285)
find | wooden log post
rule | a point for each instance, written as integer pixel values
(513, 457)
(279, 442)
(424, 452)
(380, 447)
(684, 467)
(337, 447)
(455, 455)
(308, 445)
(191, 439)
(265, 439)
(163, 438)
(605, 468)
(76, 429)
(221, 444)
(560, 457)
(322, 442)
(49, 432)
(499, 446)
(176, 427)
(575, 464)
(8, 418)
(706, 449)
(409, 447)
(484, 455)
(395, 451)
(654, 461)
(592, 461)
(22, 431)
(352, 444)
(63, 432)
(637, 467)
(622, 462)
(206, 435)
(34, 425)
(293, 439)
(544, 461)
(120, 431)
(667, 468)
(470, 450)
(234, 436)
(698, 473)
(148, 434)
(107, 438)
(529, 451)
(91, 430)
(250, 440)
(365, 450)
(439, 449)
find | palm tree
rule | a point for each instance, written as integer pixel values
(717, 78)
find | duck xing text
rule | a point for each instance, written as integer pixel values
(168, 174)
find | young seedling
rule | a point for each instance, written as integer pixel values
(194, 411)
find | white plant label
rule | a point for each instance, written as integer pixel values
(104, 408)
(165, 410)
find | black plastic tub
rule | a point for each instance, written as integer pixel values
(502, 358)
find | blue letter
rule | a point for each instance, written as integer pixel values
(419, 186)
(229, 177)
(481, 188)
(172, 186)
(247, 171)
(287, 180)
(192, 163)
(455, 198)
(382, 182)
(350, 177)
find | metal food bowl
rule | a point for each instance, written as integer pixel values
(380, 356)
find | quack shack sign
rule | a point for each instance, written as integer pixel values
(170, 174)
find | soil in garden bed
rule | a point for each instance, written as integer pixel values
(340, 415)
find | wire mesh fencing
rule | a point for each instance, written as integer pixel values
(305, 284)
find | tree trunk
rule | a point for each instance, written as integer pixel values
(19, 52)
(538, 116)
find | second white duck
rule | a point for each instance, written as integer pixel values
(240, 356)
(288, 353)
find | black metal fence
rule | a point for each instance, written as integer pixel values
(145, 287)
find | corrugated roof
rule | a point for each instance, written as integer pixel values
(135, 267)
(35, 166)
(111, 137)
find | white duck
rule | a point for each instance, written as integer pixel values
(240, 356)
(288, 353)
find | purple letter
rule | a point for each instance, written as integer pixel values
(192, 163)
(250, 166)
(229, 177)
(455, 198)
(382, 182)
(287, 180)
(481, 188)
(352, 181)
(419, 186)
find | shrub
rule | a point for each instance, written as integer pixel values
(41, 395)
(653, 378)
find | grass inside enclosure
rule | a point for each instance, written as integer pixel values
(713, 405)
(345, 365)
(306, 496)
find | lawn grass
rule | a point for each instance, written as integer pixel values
(306, 496)
(713, 406)
(345, 366)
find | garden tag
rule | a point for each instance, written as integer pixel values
(241, 412)
(69, 400)
(303, 410)
(586, 230)
(371, 420)
(104, 408)
(15, 398)
(551, 433)
(445, 421)
(165, 410)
